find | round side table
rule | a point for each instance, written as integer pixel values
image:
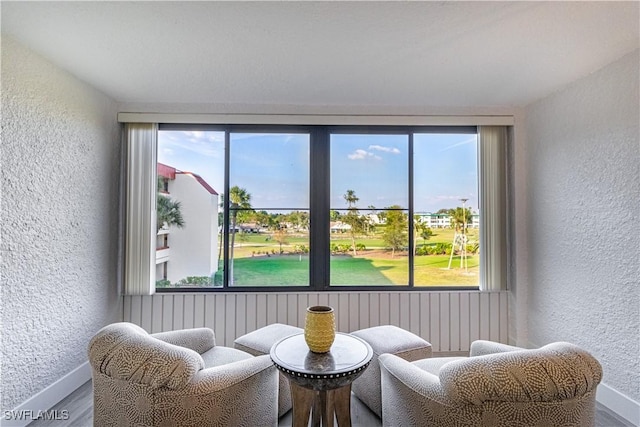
(321, 382)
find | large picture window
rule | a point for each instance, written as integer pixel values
(250, 208)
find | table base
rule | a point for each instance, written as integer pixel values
(321, 405)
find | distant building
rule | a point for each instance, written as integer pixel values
(443, 220)
(193, 249)
(339, 227)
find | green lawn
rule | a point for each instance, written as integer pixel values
(278, 270)
(293, 270)
(258, 262)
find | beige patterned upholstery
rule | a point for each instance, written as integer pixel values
(259, 342)
(498, 385)
(178, 378)
(385, 339)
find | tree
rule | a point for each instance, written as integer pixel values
(299, 220)
(422, 230)
(167, 210)
(239, 200)
(460, 216)
(370, 224)
(352, 218)
(280, 236)
(425, 232)
(395, 231)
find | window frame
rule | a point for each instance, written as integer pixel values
(319, 201)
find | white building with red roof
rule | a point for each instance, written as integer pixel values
(191, 250)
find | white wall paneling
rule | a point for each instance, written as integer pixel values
(449, 320)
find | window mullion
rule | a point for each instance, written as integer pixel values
(411, 223)
(225, 208)
(319, 188)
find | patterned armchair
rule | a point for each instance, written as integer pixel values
(498, 385)
(178, 378)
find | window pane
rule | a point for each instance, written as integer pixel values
(369, 201)
(190, 180)
(446, 214)
(269, 209)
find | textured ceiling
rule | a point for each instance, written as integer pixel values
(458, 54)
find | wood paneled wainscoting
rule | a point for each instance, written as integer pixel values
(449, 320)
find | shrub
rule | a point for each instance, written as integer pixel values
(423, 250)
(340, 249)
(199, 281)
(472, 248)
(442, 249)
(163, 283)
(301, 249)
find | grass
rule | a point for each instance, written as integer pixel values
(280, 270)
(258, 262)
(293, 270)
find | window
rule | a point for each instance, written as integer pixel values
(268, 239)
(445, 203)
(369, 209)
(325, 207)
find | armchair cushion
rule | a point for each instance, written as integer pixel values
(433, 365)
(197, 339)
(219, 356)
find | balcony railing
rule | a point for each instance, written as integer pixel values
(162, 254)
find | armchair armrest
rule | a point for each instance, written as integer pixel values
(197, 339)
(415, 380)
(482, 347)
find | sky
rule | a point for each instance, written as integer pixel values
(274, 168)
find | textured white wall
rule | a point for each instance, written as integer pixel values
(583, 196)
(60, 166)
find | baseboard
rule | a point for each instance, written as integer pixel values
(617, 402)
(39, 406)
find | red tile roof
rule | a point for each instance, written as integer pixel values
(166, 171)
(201, 181)
(169, 172)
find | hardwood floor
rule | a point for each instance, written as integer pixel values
(79, 405)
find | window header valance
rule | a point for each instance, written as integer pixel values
(317, 119)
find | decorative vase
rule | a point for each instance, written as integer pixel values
(320, 328)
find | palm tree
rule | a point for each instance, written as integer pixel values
(239, 199)
(352, 216)
(459, 217)
(168, 212)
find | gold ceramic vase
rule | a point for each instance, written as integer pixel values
(320, 328)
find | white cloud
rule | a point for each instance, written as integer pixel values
(202, 143)
(392, 150)
(361, 154)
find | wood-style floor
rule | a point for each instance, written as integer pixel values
(79, 405)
